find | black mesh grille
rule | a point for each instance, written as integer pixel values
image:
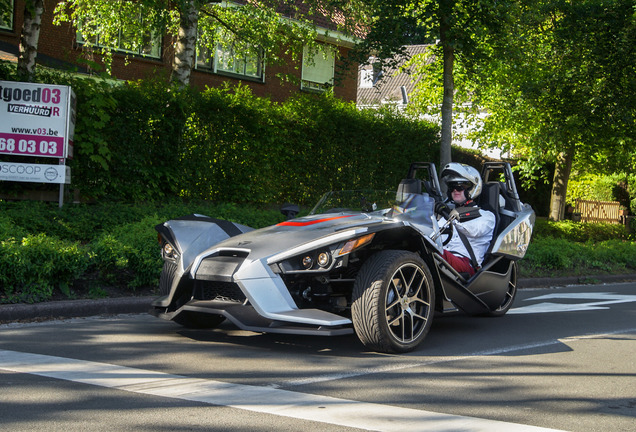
(220, 291)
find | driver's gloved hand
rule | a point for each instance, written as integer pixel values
(442, 209)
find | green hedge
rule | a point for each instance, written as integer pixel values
(575, 248)
(81, 250)
(147, 140)
(581, 232)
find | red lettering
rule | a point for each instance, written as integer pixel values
(56, 97)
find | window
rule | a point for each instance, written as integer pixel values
(126, 41)
(6, 14)
(232, 57)
(318, 70)
(370, 74)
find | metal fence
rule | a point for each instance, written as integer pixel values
(598, 211)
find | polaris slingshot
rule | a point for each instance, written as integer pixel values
(367, 262)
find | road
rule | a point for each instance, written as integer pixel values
(562, 359)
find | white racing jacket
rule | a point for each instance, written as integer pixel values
(478, 232)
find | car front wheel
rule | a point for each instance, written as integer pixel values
(393, 301)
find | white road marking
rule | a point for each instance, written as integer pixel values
(400, 366)
(601, 301)
(268, 400)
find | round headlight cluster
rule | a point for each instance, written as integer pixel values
(169, 251)
(323, 260)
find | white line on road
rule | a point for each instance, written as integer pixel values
(268, 400)
(400, 366)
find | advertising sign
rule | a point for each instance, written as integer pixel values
(36, 119)
(36, 173)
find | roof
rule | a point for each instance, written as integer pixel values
(376, 87)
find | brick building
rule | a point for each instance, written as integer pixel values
(60, 46)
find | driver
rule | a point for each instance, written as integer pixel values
(464, 185)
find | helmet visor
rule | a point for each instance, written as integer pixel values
(459, 185)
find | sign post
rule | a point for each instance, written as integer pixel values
(37, 120)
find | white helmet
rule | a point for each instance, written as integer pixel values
(461, 173)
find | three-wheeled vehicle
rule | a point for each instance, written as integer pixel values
(362, 261)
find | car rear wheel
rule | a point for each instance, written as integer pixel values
(393, 301)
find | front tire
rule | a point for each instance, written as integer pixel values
(167, 277)
(393, 302)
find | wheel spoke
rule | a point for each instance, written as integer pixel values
(419, 300)
(398, 318)
(393, 295)
(410, 283)
(406, 309)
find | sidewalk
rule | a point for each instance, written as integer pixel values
(137, 305)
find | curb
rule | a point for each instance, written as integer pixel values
(74, 308)
(136, 305)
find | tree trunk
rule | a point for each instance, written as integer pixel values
(186, 43)
(447, 101)
(33, 10)
(560, 184)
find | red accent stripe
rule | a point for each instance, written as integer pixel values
(312, 222)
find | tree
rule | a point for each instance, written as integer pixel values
(186, 41)
(457, 31)
(29, 38)
(561, 90)
(197, 24)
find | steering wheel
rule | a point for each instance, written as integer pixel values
(449, 232)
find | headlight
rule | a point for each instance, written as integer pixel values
(167, 250)
(308, 261)
(324, 259)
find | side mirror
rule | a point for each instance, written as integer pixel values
(289, 210)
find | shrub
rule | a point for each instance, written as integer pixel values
(129, 256)
(32, 267)
(580, 232)
(549, 256)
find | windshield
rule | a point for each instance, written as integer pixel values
(416, 208)
(355, 201)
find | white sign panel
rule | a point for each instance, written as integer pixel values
(36, 119)
(36, 173)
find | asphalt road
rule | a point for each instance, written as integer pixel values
(563, 358)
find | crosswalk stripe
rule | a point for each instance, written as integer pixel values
(325, 409)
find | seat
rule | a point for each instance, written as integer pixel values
(409, 186)
(489, 200)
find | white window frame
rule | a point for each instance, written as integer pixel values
(228, 60)
(153, 41)
(318, 71)
(366, 78)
